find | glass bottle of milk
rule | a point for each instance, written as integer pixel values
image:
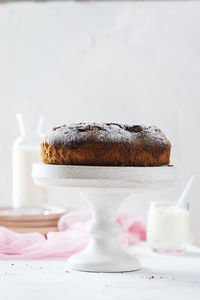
(26, 151)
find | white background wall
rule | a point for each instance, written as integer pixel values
(129, 62)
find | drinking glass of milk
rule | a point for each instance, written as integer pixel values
(168, 227)
(26, 151)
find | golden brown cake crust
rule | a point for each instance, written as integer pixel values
(106, 144)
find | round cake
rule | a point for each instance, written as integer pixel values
(106, 144)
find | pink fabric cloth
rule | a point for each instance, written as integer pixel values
(71, 238)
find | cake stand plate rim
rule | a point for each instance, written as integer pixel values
(104, 177)
(65, 171)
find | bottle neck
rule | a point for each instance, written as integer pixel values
(30, 130)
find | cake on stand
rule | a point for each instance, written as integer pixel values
(104, 188)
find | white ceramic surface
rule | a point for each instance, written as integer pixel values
(175, 278)
(105, 188)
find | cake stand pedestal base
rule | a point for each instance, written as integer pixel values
(103, 253)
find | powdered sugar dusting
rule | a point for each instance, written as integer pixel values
(74, 134)
(155, 133)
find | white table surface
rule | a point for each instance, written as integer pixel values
(175, 277)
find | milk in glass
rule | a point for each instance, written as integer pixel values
(168, 227)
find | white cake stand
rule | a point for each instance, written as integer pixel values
(105, 188)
